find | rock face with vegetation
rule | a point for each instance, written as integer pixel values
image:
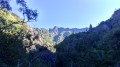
(15, 37)
(11, 43)
(57, 34)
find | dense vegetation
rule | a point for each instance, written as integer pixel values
(99, 47)
(15, 40)
(18, 46)
(11, 48)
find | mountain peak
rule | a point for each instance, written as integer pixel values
(55, 30)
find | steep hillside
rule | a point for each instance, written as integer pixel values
(99, 47)
(11, 47)
(20, 43)
(57, 35)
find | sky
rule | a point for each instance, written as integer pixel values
(70, 13)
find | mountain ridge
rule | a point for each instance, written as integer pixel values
(57, 34)
(98, 47)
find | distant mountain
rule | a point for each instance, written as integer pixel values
(57, 30)
(60, 33)
(57, 34)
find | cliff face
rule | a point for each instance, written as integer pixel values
(34, 33)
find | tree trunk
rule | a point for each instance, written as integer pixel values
(29, 64)
(18, 63)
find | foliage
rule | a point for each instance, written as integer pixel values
(99, 47)
(11, 43)
(26, 11)
(12, 46)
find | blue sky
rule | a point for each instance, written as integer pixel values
(70, 13)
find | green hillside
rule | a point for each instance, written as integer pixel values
(99, 47)
(11, 47)
(15, 38)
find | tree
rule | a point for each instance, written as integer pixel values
(90, 27)
(28, 14)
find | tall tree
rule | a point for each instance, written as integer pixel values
(90, 27)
